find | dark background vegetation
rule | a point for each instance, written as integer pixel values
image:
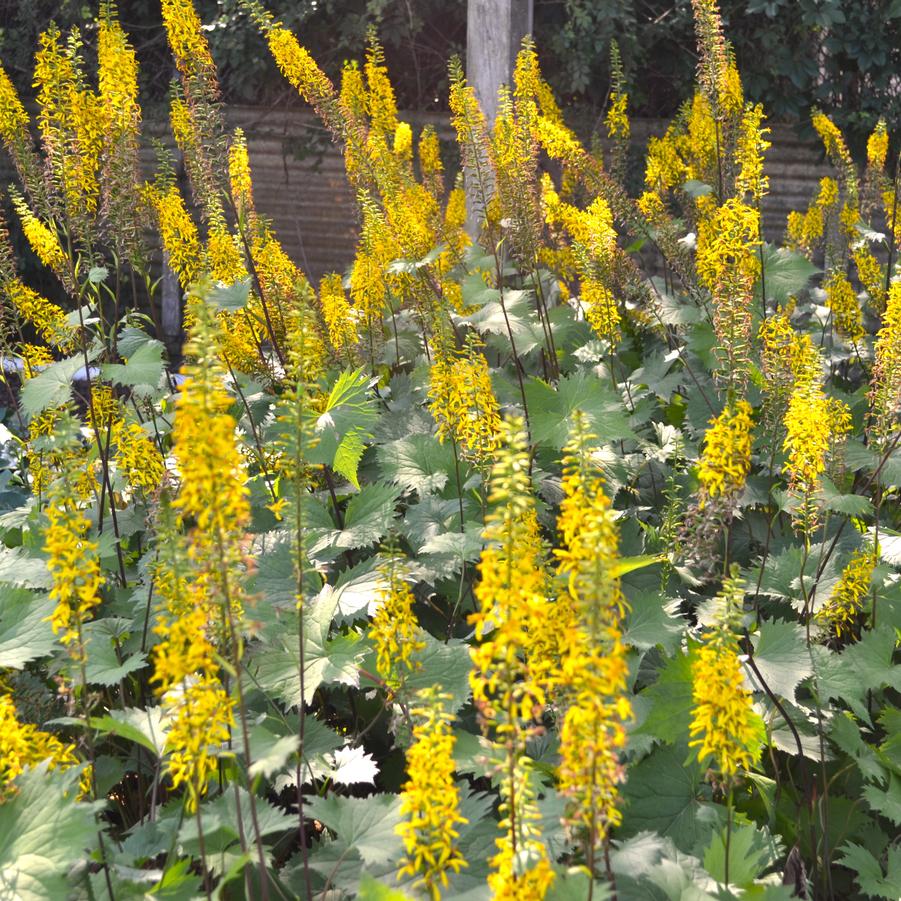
(843, 55)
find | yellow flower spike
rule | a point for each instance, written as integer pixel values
(841, 299)
(617, 118)
(871, 276)
(601, 310)
(24, 745)
(14, 121)
(462, 401)
(73, 562)
(185, 33)
(239, 174)
(885, 387)
(46, 317)
(750, 150)
(726, 458)
(877, 147)
(380, 102)
(43, 240)
(138, 458)
(841, 614)
(403, 141)
(181, 239)
(337, 313)
(724, 726)
(430, 800)
(395, 631)
(593, 675)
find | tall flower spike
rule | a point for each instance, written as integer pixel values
(885, 388)
(843, 612)
(724, 727)
(462, 401)
(594, 672)
(512, 612)
(841, 299)
(726, 458)
(430, 800)
(395, 631)
(338, 315)
(74, 564)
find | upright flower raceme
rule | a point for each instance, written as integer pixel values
(511, 612)
(843, 611)
(74, 564)
(726, 459)
(463, 403)
(395, 631)
(885, 387)
(594, 671)
(724, 727)
(430, 801)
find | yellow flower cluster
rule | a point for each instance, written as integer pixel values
(46, 317)
(462, 401)
(301, 70)
(749, 153)
(395, 631)
(181, 240)
(841, 299)
(832, 139)
(239, 174)
(73, 561)
(617, 118)
(430, 801)
(13, 118)
(511, 615)
(594, 671)
(727, 265)
(24, 745)
(877, 146)
(137, 457)
(724, 727)
(885, 389)
(871, 276)
(841, 614)
(337, 313)
(185, 34)
(726, 459)
(43, 240)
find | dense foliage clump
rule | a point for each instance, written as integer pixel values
(548, 552)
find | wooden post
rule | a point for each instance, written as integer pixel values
(494, 33)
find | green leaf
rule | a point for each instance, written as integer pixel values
(445, 665)
(651, 622)
(663, 795)
(97, 274)
(52, 387)
(751, 851)
(230, 297)
(550, 410)
(782, 657)
(19, 568)
(419, 463)
(105, 664)
(43, 833)
(370, 890)
(847, 504)
(862, 668)
(271, 755)
(345, 424)
(365, 824)
(25, 632)
(785, 273)
(144, 727)
(670, 700)
(143, 368)
(872, 881)
(368, 517)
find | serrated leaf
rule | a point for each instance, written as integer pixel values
(51, 387)
(230, 297)
(651, 622)
(782, 657)
(270, 753)
(348, 455)
(144, 727)
(785, 273)
(663, 795)
(104, 666)
(419, 463)
(848, 504)
(670, 699)
(143, 368)
(550, 410)
(19, 568)
(365, 824)
(43, 833)
(872, 881)
(353, 766)
(751, 851)
(446, 665)
(25, 630)
(368, 517)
